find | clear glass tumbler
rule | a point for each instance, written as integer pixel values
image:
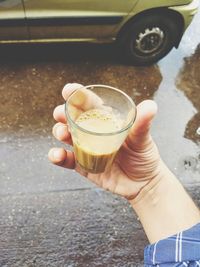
(99, 118)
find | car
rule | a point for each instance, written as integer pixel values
(144, 30)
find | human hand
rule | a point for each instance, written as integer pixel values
(137, 162)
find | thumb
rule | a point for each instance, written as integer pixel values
(139, 135)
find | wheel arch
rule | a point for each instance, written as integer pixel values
(161, 11)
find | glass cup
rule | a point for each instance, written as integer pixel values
(99, 119)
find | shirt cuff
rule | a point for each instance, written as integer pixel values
(184, 246)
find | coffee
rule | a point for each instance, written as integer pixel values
(94, 154)
(92, 162)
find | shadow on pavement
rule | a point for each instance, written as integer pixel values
(35, 52)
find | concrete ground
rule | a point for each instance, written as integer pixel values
(53, 217)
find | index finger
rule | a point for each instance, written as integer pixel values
(80, 99)
(84, 99)
(69, 88)
(59, 111)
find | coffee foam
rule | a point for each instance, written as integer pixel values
(97, 122)
(100, 121)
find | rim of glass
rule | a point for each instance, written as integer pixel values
(102, 134)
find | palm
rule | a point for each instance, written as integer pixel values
(126, 176)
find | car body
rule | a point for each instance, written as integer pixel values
(96, 21)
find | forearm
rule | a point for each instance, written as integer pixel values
(164, 207)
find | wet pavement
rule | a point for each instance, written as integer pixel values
(51, 216)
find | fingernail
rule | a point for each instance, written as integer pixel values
(67, 85)
(59, 131)
(56, 154)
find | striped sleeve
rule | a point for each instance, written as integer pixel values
(182, 249)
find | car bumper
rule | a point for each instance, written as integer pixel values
(187, 11)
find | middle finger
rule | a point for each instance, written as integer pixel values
(59, 114)
(61, 132)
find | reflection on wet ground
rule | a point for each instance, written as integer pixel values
(189, 82)
(176, 137)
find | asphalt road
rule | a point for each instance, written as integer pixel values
(53, 217)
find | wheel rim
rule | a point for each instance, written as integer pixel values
(150, 40)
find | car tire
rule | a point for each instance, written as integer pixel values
(149, 38)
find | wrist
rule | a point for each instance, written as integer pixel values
(144, 185)
(163, 206)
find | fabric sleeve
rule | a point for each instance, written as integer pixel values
(182, 249)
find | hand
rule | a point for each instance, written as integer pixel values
(137, 162)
